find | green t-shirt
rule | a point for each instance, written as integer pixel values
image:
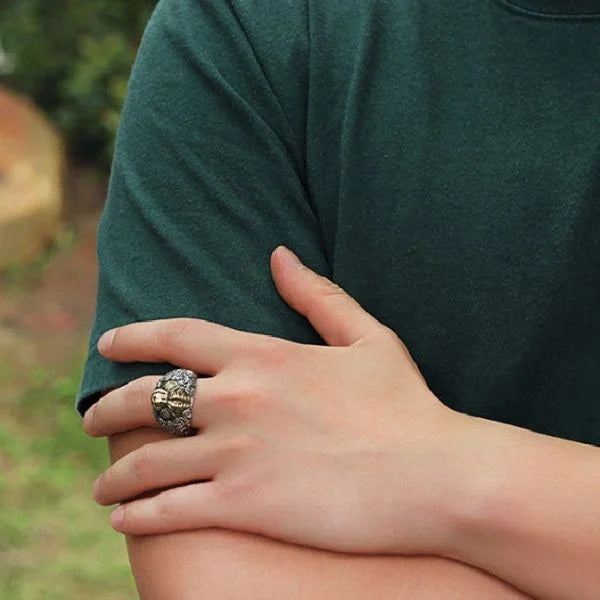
(439, 160)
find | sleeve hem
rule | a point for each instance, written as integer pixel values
(101, 374)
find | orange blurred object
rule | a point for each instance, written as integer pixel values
(31, 165)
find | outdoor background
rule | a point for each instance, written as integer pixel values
(72, 59)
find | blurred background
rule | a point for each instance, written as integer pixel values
(64, 66)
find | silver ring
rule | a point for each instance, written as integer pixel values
(172, 401)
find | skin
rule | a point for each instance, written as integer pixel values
(311, 463)
(258, 428)
(225, 565)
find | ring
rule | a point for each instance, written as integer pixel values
(172, 401)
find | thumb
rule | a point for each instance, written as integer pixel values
(337, 317)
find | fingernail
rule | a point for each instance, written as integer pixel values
(105, 341)
(88, 418)
(96, 488)
(116, 518)
(289, 257)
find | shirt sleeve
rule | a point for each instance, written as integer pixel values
(208, 177)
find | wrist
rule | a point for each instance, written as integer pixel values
(485, 462)
(454, 483)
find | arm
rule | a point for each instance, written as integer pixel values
(207, 180)
(535, 516)
(224, 565)
(511, 516)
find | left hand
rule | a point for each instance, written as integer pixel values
(341, 447)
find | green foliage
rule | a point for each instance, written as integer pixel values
(73, 57)
(55, 542)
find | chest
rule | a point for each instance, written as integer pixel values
(457, 154)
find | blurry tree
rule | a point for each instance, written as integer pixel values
(73, 58)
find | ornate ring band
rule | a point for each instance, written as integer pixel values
(172, 401)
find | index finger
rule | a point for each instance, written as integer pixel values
(195, 344)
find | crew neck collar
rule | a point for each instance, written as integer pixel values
(561, 9)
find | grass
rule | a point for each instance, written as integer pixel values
(55, 542)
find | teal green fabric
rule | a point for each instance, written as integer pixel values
(440, 160)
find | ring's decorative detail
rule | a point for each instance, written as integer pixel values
(172, 401)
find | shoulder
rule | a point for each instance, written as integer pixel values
(229, 22)
(242, 42)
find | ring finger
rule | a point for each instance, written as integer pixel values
(130, 406)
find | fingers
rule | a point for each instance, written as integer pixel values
(130, 407)
(195, 344)
(160, 465)
(188, 507)
(338, 318)
(122, 409)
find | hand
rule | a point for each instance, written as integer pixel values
(341, 447)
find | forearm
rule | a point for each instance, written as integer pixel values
(533, 517)
(222, 565)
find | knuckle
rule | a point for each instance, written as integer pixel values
(328, 292)
(272, 352)
(121, 338)
(228, 398)
(237, 487)
(254, 397)
(242, 399)
(141, 462)
(328, 287)
(139, 390)
(174, 329)
(165, 507)
(240, 443)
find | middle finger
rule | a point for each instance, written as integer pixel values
(160, 465)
